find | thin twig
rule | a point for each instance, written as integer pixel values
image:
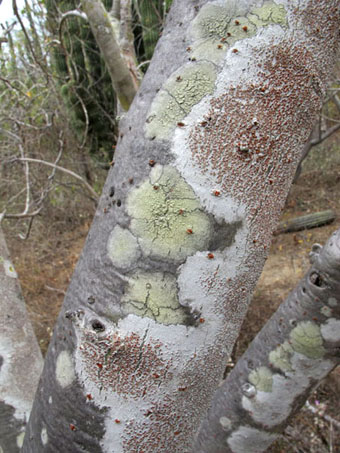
(27, 174)
(64, 16)
(22, 216)
(50, 288)
(16, 13)
(86, 119)
(314, 410)
(65, 170)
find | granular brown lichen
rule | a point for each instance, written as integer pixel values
(139, 438)
(126, 365)
(173, 420)
(250, 139)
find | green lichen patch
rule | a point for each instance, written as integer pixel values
(306, 339)
(262, 379)
(281, 357)
(326, 311)
(154, 295)
(184, 88)
(122, 247)
(9, 269)
(214, 30)
(211, 22)
(269, 13)
(166, 216)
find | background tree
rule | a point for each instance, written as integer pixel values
(18, 350)
(84, 80)
(155, 284)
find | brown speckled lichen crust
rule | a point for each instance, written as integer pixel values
(127, 366)
(297, 348)
(97, 411)
(247, 145)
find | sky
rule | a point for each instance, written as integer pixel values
(6, 12)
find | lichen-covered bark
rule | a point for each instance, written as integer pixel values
(297, 348)
(203, 166)
(103, 31)
(20, 358)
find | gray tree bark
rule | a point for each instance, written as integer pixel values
(20, 358)
(294, 351)
(204, 162)
(102, 29)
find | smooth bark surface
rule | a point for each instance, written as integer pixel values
(294, 351)
(103, 31)
(20, 358)
(205, 159)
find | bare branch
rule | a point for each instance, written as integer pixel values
(320, 413)
(67, 15)
(22, 216)
(86, 118)
(36, 59)
(65, 170)
(103, 31)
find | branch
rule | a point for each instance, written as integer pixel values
(68, 14)
(22, 215)
(325, 135)
(306, 222)
(65, 170)
(16, 12)
(294, 351)
(86, 118)
(317, 411)
(104, 34)
(127, 41)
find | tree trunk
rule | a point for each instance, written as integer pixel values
(297, 348)
(203, 166)
(20, 358)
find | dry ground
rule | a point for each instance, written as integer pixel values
(46, 260)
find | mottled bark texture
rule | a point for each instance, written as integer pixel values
(104, 33)
(296, 348)
(20, 358)
(203, 166)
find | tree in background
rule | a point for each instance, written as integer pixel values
(84, 80)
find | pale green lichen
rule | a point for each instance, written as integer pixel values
(9, 269)
(20, 439)
(326, 311)
(166, 216)
(210, 23)
(214, 30)
(184, 88)
(332, 302)
(154, 295)
(262, 379)
(270, 13)
(306, 339)
(122, 247)
(281, 357)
